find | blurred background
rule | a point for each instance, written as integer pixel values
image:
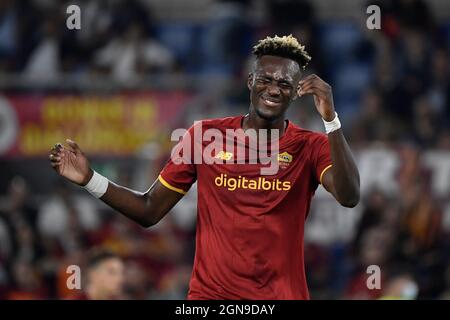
(137, 69)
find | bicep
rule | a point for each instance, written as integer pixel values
(327, 181)
(161, 199)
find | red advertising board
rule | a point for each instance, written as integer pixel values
(113, 125)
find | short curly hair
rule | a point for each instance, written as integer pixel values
(285, 46)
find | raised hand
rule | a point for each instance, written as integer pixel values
(71, 163)
(323, 96)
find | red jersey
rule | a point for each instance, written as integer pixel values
(250, 227)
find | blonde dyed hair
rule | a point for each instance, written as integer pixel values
(285, 47)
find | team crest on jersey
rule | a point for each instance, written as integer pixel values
(284, 159)
(224, 155)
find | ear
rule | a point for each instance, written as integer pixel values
(250, 81)
(295, 95)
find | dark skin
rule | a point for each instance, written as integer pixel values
(275, 78)
(144, 208)
(273, 84)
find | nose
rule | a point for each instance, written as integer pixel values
(273, 90)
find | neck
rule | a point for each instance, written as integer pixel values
(253, 121)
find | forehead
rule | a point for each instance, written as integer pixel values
(108, 263)
(277, 67)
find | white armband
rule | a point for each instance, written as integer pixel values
(332, 125)
(97, 185)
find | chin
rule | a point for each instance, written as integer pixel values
(268, 114)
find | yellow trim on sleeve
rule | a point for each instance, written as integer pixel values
(168, 186)
(323, 171)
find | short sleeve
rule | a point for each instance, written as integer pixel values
(321, 156)
(180, 171)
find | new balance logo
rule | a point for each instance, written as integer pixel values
(222, 155)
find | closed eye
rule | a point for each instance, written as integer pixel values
(262, 80)
(285, 85)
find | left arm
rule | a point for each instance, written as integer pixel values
(342, 179)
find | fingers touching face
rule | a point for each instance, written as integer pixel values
(312, 84)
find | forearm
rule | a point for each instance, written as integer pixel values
(344, 170)
(144, 208)
(342, 180)
(132, 204)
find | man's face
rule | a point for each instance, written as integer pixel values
(273, 85)
(108, 276)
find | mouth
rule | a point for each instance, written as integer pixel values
(271, 102)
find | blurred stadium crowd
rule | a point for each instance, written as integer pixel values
(391, 88)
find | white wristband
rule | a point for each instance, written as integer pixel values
(97, 185)
(332, 125)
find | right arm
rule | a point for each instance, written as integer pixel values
(144, 208)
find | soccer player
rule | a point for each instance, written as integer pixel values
(250, 227)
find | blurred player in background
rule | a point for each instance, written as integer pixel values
(104, 276)
(250, 226)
